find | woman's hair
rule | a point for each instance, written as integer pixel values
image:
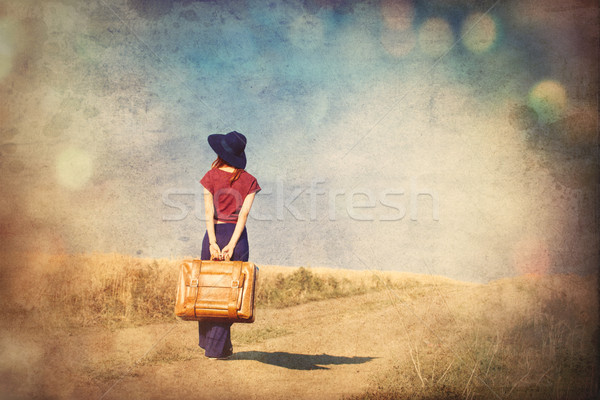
(219, 162)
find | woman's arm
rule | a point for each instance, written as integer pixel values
(209, 213)
(227, 251)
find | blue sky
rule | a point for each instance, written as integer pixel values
(452, 137)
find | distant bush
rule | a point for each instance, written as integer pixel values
(303, 286)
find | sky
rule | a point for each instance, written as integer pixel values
(454, 138)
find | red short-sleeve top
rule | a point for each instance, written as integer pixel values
(228, 198)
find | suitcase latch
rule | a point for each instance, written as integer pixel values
(235, 283)
(194, 282)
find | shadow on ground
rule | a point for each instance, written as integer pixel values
(298, 361)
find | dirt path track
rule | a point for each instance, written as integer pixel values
(323, 350)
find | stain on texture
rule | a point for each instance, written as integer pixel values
(151, 9)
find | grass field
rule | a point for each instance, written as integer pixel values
(530, 337)
(114, 290)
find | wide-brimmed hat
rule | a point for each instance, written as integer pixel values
(230, 148)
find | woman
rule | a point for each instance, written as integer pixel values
(228, 195)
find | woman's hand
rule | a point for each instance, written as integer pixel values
(227, 252)
(215, 251)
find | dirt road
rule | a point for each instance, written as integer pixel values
(319, 350)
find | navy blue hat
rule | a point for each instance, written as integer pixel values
(230, 148)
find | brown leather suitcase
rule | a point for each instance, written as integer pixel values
(216, 290)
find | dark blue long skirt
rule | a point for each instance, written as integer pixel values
(215, 337)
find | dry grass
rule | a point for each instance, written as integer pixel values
(520, 338)
(114, 290)
(95, 290)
